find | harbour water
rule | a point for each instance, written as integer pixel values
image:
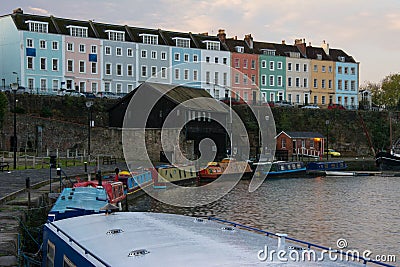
(363, 210)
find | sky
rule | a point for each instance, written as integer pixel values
(368, 30)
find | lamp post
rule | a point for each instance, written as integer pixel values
(89, 104)
(327, 139)
(14, 87)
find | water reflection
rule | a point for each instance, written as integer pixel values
(363, 210)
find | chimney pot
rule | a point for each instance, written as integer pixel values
(18, 11)
(283, 42)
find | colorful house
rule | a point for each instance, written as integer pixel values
(299, 144)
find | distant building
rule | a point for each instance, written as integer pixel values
(299, 144)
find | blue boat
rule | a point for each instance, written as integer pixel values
(280, 169)
(321, 166)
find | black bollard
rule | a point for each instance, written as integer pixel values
(98, 177)
(85, 166)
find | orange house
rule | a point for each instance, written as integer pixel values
(294, 144)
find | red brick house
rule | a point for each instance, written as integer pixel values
(299, 144)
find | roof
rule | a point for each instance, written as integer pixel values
(180, 95)
(313, 52)
(233, 43)
(302, 134)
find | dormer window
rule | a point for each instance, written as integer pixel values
(115, 35)
(182, 42)
(212, 45)
(78, 31)
(268, 52)
(38, 26)
(341, 59)
(294, 54)
(239, 49)
(149, 38)
(319, 56)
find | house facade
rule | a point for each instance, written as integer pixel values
(300, 144)
(47, 53)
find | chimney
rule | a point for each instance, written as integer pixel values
(235, 38)
(249, 40)
(283, 42)
(325, 46)
(221, 35)
(204, 33)
(18, 11)
(301, 45)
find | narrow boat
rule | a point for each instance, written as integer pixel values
(340, 173)
(278, 169)
(321, 166)
(134, 180)
(115, 190)
(78, 201)
(227, 166)
(387, 161)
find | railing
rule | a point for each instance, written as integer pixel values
(308, 152)
(309, 245)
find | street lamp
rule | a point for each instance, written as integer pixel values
(14, 88)
(327, 139)
(89, 104)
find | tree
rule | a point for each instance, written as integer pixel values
(3, 108)
(376, 93)
(389, 92)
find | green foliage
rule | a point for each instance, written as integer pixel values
(3, 108)
(46, 112)
(388, 94)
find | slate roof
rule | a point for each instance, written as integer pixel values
(302, 134)
(312, 53)
(336, 53)
(180, 94)
(232, 44)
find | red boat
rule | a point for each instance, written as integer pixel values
(227, 166)
(115, 190)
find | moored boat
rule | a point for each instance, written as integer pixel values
(278, 169)
(114, 189)
(320, 167)
(227, 166)
(387, 161)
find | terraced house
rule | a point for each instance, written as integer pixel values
(46, 54)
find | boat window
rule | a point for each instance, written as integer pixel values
(293, 166)
(67, 262)
(298, 165)
(51, 251)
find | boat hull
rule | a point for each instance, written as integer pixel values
(387, 161)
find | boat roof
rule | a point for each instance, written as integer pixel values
(154, 239)
(87, 198)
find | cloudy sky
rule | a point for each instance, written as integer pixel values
(369, 30)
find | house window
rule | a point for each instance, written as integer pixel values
(323, 100)
(216, 76)
(78, 31)
(346, 85)
(263, 80)
(283, 143)
(297, 67)
(346, 70)
(176, 56)
(94, 67)
(82, 67)
(55, 85)
(323, 84)
(108, 50)
(129, 52)
(305, 67)
(118, 87)
(253, 64)
(149, 38)
(237, 78)
(118, 51)
(164, 72)
(245, 79)
(340, 85)
(245, 63)
(82, 87)
(212, 45)
(119, 69)
(31, 83)
(280, 64)
(216, 60)
(37, 26)
(108, 68)
(29, 43)
(177, 72)
(70, 65)
(195, 58)
(129, 88)
(43, 84)
(69, 84)
(163, 56)
(207, 59)
(315, 83)
(263, 64)
(107, 87)
(186, 57)
(289, 81)
(93, 49)
(339, 70)
(116, 35)
(154, 54)
(279, 81)
(94, 87)
(289, 66)
(207, 77)
(353, 85)
(43, 62)
(82, 48)
(182, 42)
(330, 84)
(315, 68)
(54, 64)
(225, 78)
(195, 75)
(323, 69)
(186, 74)
(253, 79)
(224, 61)
(315, 100)
(245, 96)
(297, 82)
(353, 71)
(129, 69)
(236, 63)
(153, 71)
(42, 44)
(271, 80)
(305, 83)
(330, 69)
(70, 47)
(144, 71)
(144, 53)
(271, 65)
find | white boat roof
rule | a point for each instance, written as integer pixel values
(170, 240)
